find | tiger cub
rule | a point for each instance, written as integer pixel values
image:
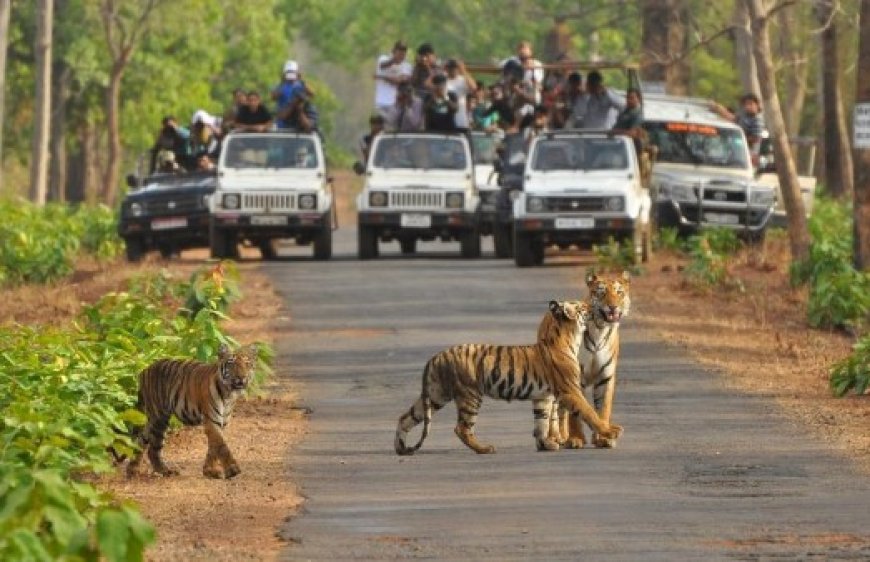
(197, 393)
(609, 301)
(541, 372)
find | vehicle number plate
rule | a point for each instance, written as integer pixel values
(169, 223)
(415, 221)
(268, 220)
(721, 218)
(575, 223)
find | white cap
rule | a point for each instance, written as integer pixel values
(291, 66)
(202, 116)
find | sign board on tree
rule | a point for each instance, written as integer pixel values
(861, 126)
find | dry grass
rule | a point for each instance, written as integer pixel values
(760, 339)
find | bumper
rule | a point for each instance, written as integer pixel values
(419, 224)
(560, 230)
(181, 232)
(270, 225)
(694, 216)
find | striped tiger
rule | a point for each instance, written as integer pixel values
(198, 394)
(546, 371)
(609, 301)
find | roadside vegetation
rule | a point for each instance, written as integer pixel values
(68, 397)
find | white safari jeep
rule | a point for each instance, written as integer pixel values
(271, 186)
(579, 189)
(419, 186)
(703, 174)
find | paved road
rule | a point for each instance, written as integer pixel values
(701, 472)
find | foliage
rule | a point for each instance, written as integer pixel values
(839, 294)
(40, 244)
(853, 372)
(615, 256)
(68, 395)
(669, 239)
(709, 254)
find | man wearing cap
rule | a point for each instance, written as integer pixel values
(532, 69)
(598, 107)
(392, 71)
(460, 83)
(406, 115)
(439, 107)
(286, 92)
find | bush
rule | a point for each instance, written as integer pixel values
(615, 256)
(709, 253)
(853, 372)
(839, 295)
(68, 395)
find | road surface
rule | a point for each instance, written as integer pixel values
(702, 472)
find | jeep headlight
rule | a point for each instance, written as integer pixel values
(764, 197)
(682, 192)
(614, 203)
(136, 209)
(230, 201)
(307, 201)
(454, 200)
(534, 204)
(378, 199)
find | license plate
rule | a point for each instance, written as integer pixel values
(415, 221)
(721, 218)
(575, 223)
(169, 223)
(268, 220)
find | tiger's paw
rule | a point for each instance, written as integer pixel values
(165, 471)
(232, 471)
(485, 449)
(212, 472)
(575, 443)
(611, 434)
(548, 445)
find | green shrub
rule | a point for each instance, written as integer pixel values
(853, 372)
(709, 253)
(615, 256)
(839, 295)
(68, 395)
(668, 238)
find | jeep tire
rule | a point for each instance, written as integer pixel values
(223, 243)
(367, 242)
(470, 243)
(267, 249)
(408, 245)
(135, 249)
(525, 254)
(502, 240)
(323, 240)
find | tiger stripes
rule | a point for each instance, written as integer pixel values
(545, 372)
(197, 394)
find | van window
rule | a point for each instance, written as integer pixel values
(580, 154)
(261, 152)
(702, 145)
(420, 153)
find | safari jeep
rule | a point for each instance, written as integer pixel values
(419, 186)
(271, 186)
(703, 174)
(580, 188)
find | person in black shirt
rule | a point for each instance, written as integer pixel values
(253, 116)
(440, 107)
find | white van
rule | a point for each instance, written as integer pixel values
(419, 186)
(271, 186)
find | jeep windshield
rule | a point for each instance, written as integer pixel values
(421, 153)
(701, 145)
(589, 154)
(264, 152)
(484, 148)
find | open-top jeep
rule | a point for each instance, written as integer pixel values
(419, 186)
(580, 188)
(272, 186)
(166, 212)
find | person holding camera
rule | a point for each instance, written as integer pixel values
(440, 107)
(172, 139)
(392, 71)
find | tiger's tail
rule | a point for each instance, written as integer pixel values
(421, 411)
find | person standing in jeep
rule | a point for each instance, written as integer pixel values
(748, 118)
(440, 107)
(393, 71)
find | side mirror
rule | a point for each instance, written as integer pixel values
(132, 181)
(359, 168)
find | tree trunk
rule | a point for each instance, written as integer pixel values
(793, 54)
(837, 160)
(798, 232)
(113, 129)
(42, 104)
(58, 166)
(861, 208)
(663, 37)
(5, 9)
(744, 59)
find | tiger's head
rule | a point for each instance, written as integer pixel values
(237, 368)
(564, 324)
(609, 298)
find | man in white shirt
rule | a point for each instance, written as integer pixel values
(392, 71)
(460, 82)
(598, 107)
(533, 70)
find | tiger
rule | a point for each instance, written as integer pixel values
(198, 394)
(609, 301)
(545, 372)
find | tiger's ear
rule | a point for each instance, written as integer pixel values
(626, 277)
(223, 351)
(556, 308)
(591, 278)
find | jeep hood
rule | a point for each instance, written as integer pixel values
(418, 179)
(578, 182)
(278, 179)
(687, 173)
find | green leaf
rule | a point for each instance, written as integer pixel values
(113, 535)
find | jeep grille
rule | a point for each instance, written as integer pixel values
(270, 201)
(574, 204)
(416, 200)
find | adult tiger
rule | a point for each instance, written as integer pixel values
(609, 301)
(198, 394)
(541, 372)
